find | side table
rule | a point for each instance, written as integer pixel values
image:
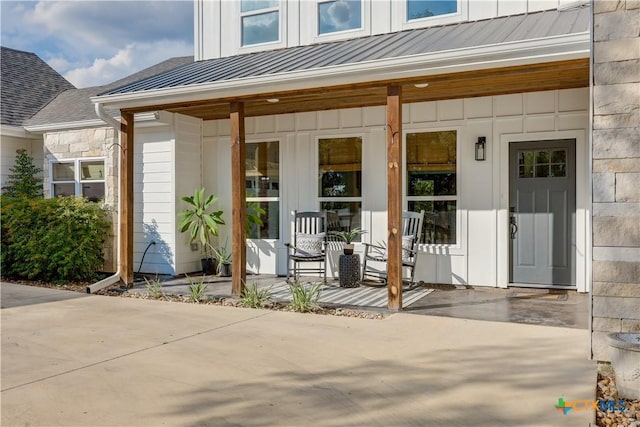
(349, 271)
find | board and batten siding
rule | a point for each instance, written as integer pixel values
(217, 23)
(482, 220)
(187, 178)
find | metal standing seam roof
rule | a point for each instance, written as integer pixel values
(514, 28)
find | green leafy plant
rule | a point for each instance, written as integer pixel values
(201, 223)
(56, 240)
(154, 288)
(223, 255)
(255, 297)
(23, 180)
(349, 236)
(197, 289)
(304, 299)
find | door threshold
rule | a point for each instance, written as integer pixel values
(541, 286)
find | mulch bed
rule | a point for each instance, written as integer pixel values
(116, 290)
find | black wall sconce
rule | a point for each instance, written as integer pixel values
(481, 149)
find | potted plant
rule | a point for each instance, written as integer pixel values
(348, 237)
(224, 261)
(202, 224)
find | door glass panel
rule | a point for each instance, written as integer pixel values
(558, 156)
(542, 171)
(542, 157)
(263, 169)
(270, 221)
(558, 170)
(542, 164)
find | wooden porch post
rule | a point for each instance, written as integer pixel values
(394, 196)
(126, 198)
(239, 199)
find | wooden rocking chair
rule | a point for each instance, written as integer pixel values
(309, 245)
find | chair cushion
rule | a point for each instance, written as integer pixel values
(309, 245)
(407, 246)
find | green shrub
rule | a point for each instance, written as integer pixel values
(255, 297)
(154, 288)
(55, 240)
(304, 299)
(197, 289)
(24, 180)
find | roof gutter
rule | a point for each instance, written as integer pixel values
(115, 277)
(541, 50)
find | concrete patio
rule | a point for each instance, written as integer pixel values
(520, 305)
(72, 359)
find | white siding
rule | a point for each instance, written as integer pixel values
(153, 195)
(476, 258)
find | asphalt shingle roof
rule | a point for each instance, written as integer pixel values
(27, 84)
(75, 104)
(486, 32)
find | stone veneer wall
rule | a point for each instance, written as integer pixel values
(92, 142)
(616, 171)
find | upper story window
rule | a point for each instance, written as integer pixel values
(419, 9)
(260, 21)
(339, 15)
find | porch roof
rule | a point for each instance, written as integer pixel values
(357, 70)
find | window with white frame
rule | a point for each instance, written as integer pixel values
(421, 9)
(340, 179)
(259, 21)
(339, 15)
(79, 177)
(431, 182)
(263, 186)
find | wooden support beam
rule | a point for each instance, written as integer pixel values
(239, 199)
(126, 198)
(394, 197)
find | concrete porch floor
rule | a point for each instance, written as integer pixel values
(562, 308)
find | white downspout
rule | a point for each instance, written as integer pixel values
(115, 277)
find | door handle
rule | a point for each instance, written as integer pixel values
(513, 226)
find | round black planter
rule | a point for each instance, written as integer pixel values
(225, 270)
(209, 265)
